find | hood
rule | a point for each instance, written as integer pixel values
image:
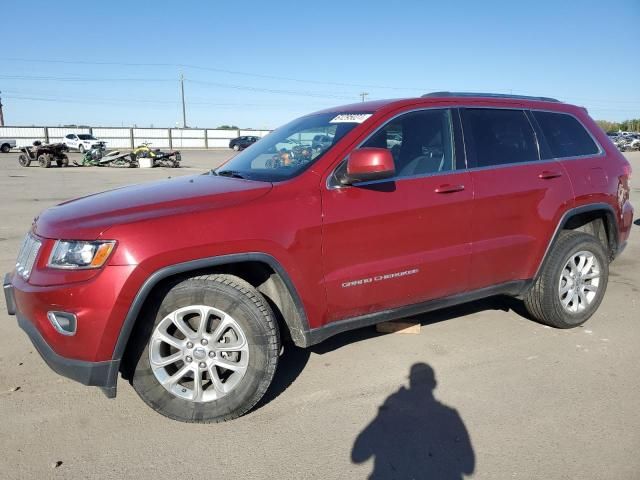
(88, 217)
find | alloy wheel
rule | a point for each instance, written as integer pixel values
(579, 281)
(199, 353)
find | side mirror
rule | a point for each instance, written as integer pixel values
(367, 164)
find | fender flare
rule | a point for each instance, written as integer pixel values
(566, 216)
(300, 324)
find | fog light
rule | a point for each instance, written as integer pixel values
(64, 322)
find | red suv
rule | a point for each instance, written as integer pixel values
(187, 286)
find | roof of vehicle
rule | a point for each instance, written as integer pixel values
(488, 95)
(453, 97)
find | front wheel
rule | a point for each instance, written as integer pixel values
(5, 148)
(236, 147)
(81, 149)
(211, 352)
(572, 283)
(63, 161)
(23, 160)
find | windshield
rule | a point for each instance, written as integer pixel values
(292, 148)
(83, 136)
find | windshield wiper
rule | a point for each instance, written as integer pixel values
(229, 173)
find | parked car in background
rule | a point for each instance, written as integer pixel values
(189, 286)
(393, 139)
(626, 142)
(6, 144)
(243, 142)
(321, 142)
(81, 141)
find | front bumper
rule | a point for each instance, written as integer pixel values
(103, 374)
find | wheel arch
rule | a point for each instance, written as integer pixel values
(597, 219)
(261, 270)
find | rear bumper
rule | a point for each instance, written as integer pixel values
(9, 298)
(102, 374)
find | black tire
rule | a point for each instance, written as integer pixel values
(543, 299)
(249, 309)
(44, 160)
(81, 149)
(236, 147)
(24, 160)
(62, 161)
(5, 148)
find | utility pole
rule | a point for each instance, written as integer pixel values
(1, 114)
(363, 95)
(184, 110)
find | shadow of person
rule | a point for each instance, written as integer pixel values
(414, 436)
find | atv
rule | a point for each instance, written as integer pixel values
(159, 159)
(44, 154)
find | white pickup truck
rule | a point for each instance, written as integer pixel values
(6, 144)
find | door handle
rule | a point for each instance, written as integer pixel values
(447, 188)
(547, 174)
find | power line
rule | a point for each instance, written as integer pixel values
(249, 74)
(275, 77)
(83, 79)
(270, 90)
(214, 69)
(115, 101)
(200, 82)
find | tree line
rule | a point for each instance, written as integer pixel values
(632, 125)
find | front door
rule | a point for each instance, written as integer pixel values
(71, 141)
(404, 240)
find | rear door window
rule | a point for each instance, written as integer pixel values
(565, 135)
(499, 136)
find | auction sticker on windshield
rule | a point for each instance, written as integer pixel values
(350, 118)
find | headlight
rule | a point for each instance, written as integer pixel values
(79, 255)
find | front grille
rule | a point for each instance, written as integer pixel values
(27, 256)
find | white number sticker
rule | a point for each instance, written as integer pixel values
(350, 118)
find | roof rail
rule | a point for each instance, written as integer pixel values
(488, 95)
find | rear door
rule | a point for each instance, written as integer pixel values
(518, 197)
(404, 240)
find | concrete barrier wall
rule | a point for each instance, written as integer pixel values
(123, 137)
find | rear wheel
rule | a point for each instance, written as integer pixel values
(5, 148)
(211, 353)
(62, 161)
(44, 160)
(24, 160)
(572, 282)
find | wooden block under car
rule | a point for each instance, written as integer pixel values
(398, 327)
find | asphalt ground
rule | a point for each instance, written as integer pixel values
(481, 391)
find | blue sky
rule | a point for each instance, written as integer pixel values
(263, 63)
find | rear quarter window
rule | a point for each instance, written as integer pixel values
(565, 135)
